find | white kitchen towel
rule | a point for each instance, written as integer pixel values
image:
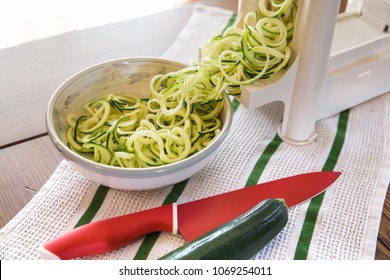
(341, 224)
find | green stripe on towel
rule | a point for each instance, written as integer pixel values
(263, 160)
(230, 22)
(310, 221)
(235, 104)
(149, 240)
(94, 206)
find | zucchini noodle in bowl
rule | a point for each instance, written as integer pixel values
(139, 123)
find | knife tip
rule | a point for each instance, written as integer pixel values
(338, 173)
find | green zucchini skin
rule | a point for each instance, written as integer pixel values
(240, 239)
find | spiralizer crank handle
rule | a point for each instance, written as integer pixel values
(110, 234)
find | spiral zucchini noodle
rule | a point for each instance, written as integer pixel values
(181, 116)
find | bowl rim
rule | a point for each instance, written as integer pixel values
(151, 171)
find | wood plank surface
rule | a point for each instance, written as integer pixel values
(24, 169)
(383, 243)
(30, 72)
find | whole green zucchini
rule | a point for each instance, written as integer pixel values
(240, 239)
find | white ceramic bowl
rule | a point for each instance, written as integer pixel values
(120, 76)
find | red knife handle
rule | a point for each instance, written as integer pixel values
(110, 234)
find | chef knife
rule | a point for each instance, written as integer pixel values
(191, 219)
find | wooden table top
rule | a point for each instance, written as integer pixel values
(29, 73)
